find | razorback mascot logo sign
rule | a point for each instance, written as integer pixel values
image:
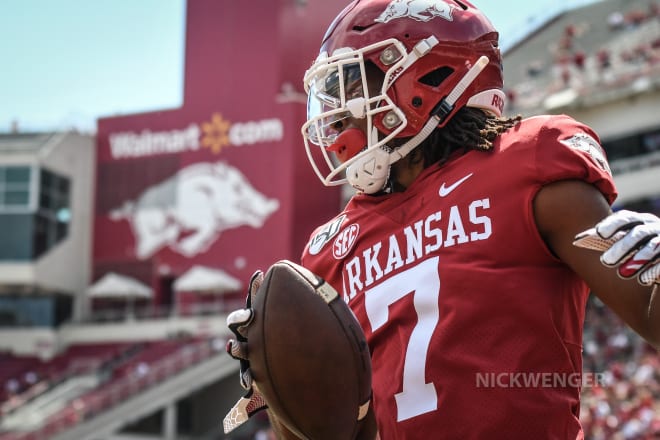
(189, 211)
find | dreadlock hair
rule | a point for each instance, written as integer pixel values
(469, 129)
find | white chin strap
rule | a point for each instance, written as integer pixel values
(369, 173)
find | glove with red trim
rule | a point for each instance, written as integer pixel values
(630, 241)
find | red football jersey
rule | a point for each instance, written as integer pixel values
(475, 328)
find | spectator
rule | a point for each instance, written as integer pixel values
(616, 20)
(12, 386)
(603, 57)
(31, 378)
(142, 369)
(579, 58)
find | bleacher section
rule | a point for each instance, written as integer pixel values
(32, 414)
(583, 51)
(87, 380)
(14, 376)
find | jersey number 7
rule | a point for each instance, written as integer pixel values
(423, 283)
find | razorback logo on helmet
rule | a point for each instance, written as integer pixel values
(420, 10)
(325, 234)
(586, 143)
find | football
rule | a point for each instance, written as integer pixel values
(308, 355)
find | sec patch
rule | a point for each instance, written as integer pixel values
(345, 241)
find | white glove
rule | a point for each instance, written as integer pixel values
(630, 241)
(238, 321)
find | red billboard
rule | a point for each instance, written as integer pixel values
(222, 182)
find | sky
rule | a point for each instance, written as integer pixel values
(65, 63)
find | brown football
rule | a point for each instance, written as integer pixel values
(308, 354)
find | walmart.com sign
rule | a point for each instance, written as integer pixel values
(214, 135)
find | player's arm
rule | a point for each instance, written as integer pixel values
(566, 208)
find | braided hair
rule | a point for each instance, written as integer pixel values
(469, 129)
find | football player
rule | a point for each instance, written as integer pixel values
(464, 252)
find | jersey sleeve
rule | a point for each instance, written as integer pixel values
(568, 149)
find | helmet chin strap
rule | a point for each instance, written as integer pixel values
(370, 173)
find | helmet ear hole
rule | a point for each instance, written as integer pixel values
(437, 76)
(461, 4)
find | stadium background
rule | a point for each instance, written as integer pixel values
(121, 253)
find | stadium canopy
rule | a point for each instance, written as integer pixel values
(113, 285)
(204, 279)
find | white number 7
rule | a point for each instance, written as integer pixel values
(423, 282)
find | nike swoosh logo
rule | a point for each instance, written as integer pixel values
(445, 190)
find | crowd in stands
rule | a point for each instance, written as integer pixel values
(631, 50)
(624, 402)
(122, 369)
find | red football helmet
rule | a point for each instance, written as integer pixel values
(435, 56)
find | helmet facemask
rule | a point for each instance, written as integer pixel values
(347, 85)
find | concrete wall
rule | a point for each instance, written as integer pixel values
(47, 342)
(66, 267)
